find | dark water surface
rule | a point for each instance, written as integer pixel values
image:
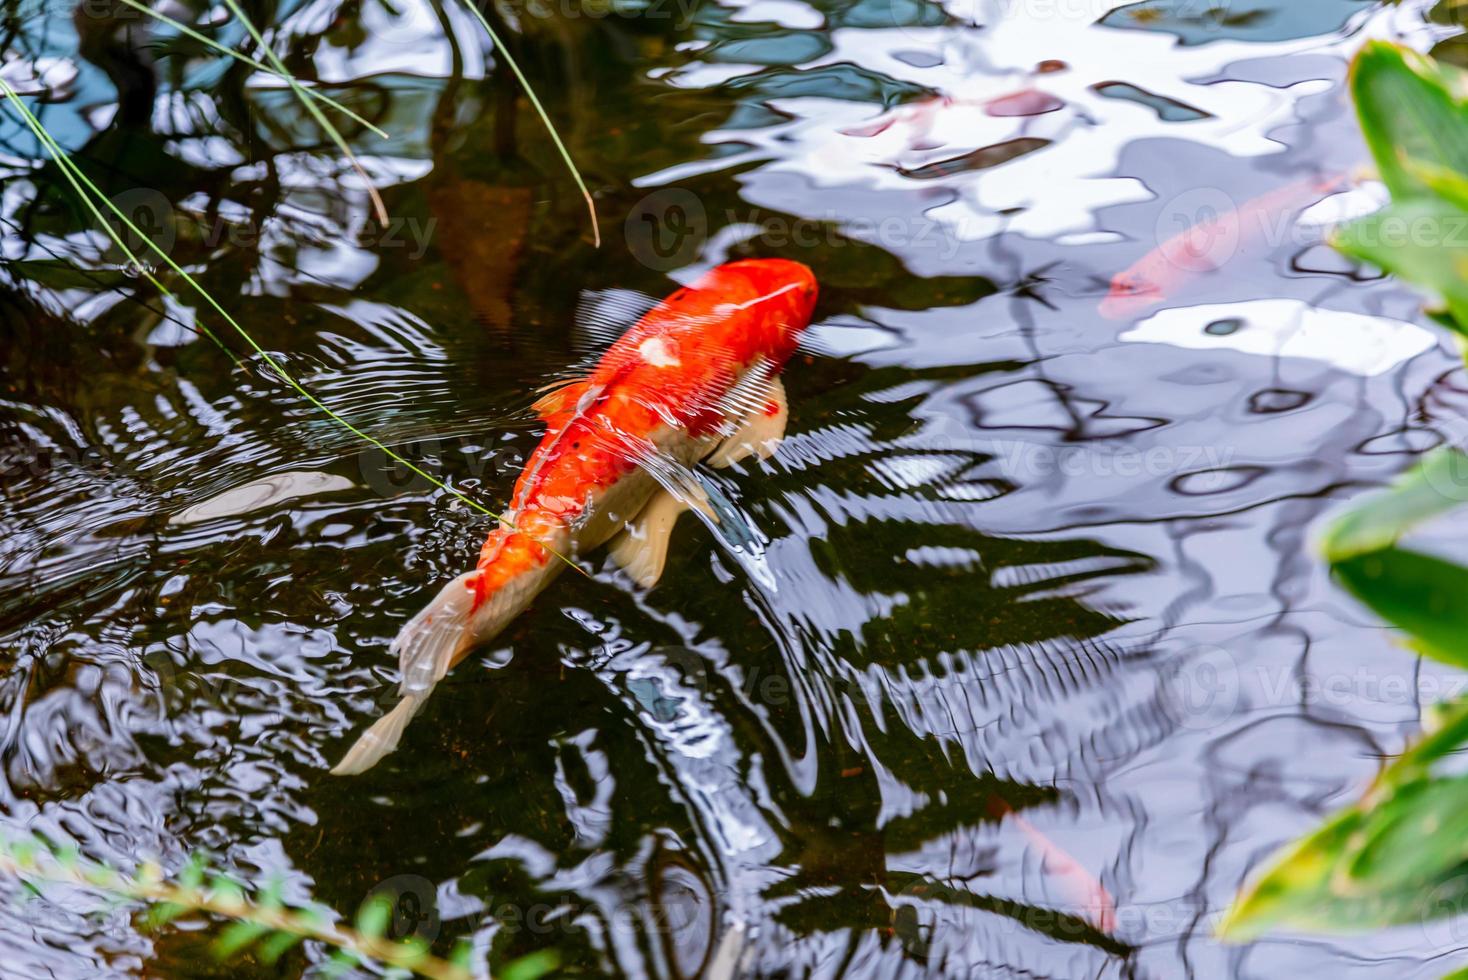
(1036, 600)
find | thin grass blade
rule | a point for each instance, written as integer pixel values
(209, 42)
(544, 118)
(336, 137)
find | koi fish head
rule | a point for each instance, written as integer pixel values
(1130, 295)
(786, 293)
(692, 349)
(730, 318)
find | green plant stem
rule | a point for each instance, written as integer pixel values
(57, 153)
(321, 120)
(544, 117)
(149, 886)
(204, 39)
(72, 173)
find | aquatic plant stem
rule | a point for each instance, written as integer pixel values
(71, 172)
(67, 165)
(204, 39)
(228, 901)
(544, 117)
(378, 207)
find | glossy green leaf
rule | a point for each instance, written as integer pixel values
(192, 874)
(1448, 185)
(1433, 487)
(462, 955)
(1420, 594)
(1408, 111)
(1398, 856)
(1421, 240)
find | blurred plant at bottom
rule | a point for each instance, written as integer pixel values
(1399, 855)
(261, 923)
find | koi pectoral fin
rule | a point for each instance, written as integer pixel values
(641, 549)
(760, 432)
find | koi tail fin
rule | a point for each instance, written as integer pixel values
(427, 647)
(378, 740)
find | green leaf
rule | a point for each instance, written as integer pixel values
(226, 890)
(163, 913)
(1421, 240)
(24, 851)
(274, 947)
(1408, 110)
(1398, 856)
(462, 955)
(271, 896)
(67, 856)
(1392, 855)
(340, 963)
(192, 875)
(531, 966)
(236, 936)
(1420, 594)
(1434, 486)
(1450, 185)
(373, 917)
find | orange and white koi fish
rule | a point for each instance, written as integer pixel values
(1206, 244)
(695, 380)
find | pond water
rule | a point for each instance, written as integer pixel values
(1034, 660)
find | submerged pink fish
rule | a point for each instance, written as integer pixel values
(1205, 245)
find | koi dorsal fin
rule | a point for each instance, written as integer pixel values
(565, 397)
